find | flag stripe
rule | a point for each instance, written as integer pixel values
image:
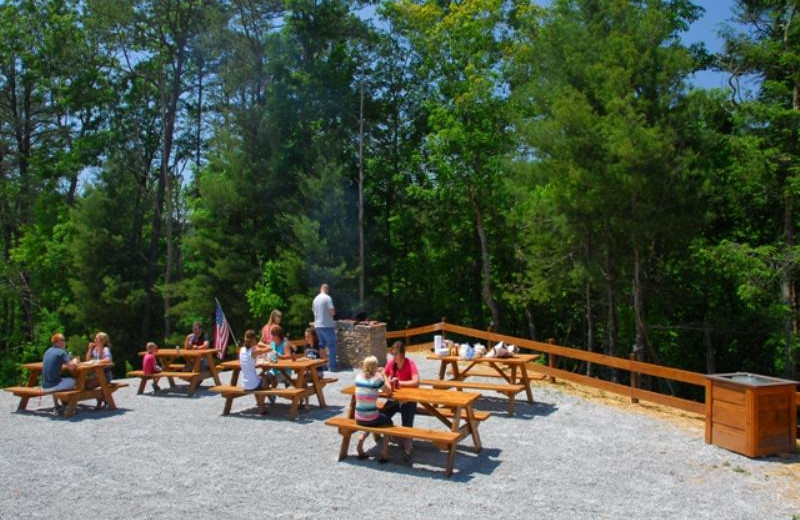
(221, 332)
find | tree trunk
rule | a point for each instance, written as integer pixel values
(361, 262)
(531, 323)
(168, 129)
(589, 326)
(711, 365)
(613, 318)
(486, 270)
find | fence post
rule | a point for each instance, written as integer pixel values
(552, 359)
(634, 377)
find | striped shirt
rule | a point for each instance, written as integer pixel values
(367, 392)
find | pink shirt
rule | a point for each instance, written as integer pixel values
(149, 363)
(406, 373)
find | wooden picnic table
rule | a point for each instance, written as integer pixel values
(293, 370)
(458, 404)
(513, 370)
(448, 407)
(83, 371)
(196, 375)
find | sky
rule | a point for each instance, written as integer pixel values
(705, 30)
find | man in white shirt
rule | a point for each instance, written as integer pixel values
(324, 325)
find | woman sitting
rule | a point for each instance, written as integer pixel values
(248, 353)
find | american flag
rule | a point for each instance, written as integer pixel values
(221, 332)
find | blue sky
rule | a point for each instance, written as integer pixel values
(705, 30)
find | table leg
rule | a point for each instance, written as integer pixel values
(473, 428)
(351, 410)
(442, 369)
(197, 366)
(527, 382)
(212, 368)
(235, 376)
(33, 377)
(107, 395)
(318, 387)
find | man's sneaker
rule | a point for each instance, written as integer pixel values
(156, 388)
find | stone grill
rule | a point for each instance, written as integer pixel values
(357, 340)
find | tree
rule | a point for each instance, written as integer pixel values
(767, 50)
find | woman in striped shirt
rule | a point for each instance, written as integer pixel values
(369, 383)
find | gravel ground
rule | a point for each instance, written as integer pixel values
(566, 456)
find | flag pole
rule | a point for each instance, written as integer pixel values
(229, 325)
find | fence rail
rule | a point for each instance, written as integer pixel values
(636, 368)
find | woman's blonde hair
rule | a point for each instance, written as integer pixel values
(102, 336)
(369, 366)
(273, 315)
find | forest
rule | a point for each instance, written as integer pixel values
(545, 169)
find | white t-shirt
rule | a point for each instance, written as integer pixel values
(321, 306)
(250, 379)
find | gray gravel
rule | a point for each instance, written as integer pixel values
(173, 456)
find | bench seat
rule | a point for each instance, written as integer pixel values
(445, 440)
(170, 374)
(509, 390)
(229, 392)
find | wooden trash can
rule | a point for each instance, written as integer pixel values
(751, 414)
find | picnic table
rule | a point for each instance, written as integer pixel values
(450, 408)
(301, 373)
(513, 370)
(83, 372)
(194, 375)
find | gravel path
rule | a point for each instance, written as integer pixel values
(172, 456)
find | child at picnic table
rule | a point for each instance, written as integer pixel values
(278, 349)
(312, 350)
(248, 353)
(150, 364)
(369, 383)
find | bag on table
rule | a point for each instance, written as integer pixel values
(480, 350)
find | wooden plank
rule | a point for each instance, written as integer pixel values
(729, 414)
(436, 436)
(729, 394)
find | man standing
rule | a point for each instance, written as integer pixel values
(324, 325)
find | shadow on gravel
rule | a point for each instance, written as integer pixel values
(783, 458)
(82, 413)
(280, 412)
(179, 391)
(429, 462)
(522, 409)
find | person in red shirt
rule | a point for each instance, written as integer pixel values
(402, 373)
(150, 364)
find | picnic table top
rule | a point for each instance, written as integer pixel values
(428, 395)
(517, 359)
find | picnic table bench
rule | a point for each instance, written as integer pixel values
(301, 373)
(191, 372)
(509, 391)
(171, 375)
(513, 370)
(71, 397)
(232, 392)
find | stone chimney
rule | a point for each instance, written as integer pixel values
(357, 340)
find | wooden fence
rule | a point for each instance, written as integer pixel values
(636, 368)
